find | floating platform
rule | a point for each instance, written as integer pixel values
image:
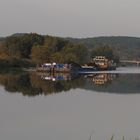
(70, 68)
(53, 70)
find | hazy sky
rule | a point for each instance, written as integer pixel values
(73, 18)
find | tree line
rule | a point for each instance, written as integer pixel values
(35, 49)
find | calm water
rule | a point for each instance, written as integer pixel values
(37, 106)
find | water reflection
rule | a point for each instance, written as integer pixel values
(32, 83)
(57, 76)
(102, 78)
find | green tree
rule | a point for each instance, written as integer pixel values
(3, 51)
(20, 46)
(105, 50)
(40, 54)
(77, 53)
(57, 57)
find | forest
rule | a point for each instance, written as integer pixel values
(127, 48)
(25, 50)
(32, 49)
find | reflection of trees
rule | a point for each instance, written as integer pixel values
(122, 84)
(18, 83)
(31, 84)
(54, 86)
(103, 78)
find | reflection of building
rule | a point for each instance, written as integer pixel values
(102, 78)
(55, 76)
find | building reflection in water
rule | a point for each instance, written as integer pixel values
(57, 76)
(32, 83)
(102, 78)
(97, 79)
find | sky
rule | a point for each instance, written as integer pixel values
(71, 18)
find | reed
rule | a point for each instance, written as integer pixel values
(113, 138)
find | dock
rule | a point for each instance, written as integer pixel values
(53, 70)
(98, 63)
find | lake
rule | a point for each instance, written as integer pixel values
(39, 106)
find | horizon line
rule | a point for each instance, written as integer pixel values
(88, 37)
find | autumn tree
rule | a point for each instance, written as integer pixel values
(20, 46)
(40, 54)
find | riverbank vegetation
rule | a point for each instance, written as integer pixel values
(31, 49)
(127, 48)
(25, 50)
